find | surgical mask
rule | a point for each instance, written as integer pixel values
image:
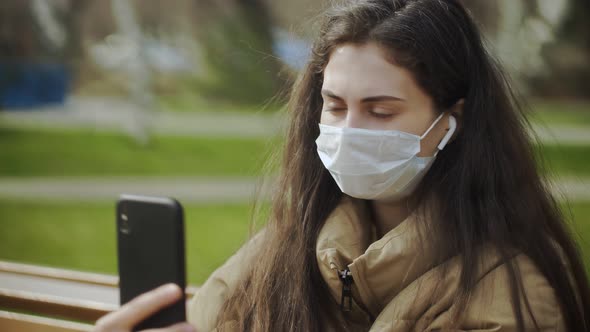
(376, 164)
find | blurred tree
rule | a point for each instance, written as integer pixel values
(137, 71)
(72, 20)
(17, 31)
(568, 56)
(486, 14)
(543, 43)
(237, 51)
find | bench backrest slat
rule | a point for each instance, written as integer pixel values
(10, 321)
(59, 293)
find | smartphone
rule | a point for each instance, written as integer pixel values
(150, 250)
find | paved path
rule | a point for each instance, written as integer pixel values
(562, 134)
(191, 189)
(186, 189)
(115, 114)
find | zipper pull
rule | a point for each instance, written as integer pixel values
(346, 278)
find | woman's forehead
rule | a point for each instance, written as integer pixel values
(358, 70)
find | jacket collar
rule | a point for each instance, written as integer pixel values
(380, 268)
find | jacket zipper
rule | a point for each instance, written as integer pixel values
(346, 278)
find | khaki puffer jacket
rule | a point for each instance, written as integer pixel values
(392, 282)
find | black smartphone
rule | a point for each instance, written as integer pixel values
(150, 250)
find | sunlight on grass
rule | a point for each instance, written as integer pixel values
(547, 112)
(79, 153)
(82, 235)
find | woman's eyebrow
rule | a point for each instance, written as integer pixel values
(332, 95)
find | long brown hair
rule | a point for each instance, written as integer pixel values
(486, 185)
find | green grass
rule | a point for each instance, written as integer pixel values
(567, 160)
(82, 235)
(25, 152)
(77, 153)
(580, 214)
(547, 112)
(188, 102)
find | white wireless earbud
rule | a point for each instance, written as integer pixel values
(453, 127)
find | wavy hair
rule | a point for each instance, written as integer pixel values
(487, 185)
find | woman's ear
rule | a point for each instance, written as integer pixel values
(457, 112)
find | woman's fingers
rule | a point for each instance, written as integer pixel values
(139, 308)
(181, 327)
(148, 303)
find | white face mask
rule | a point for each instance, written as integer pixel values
(376, 164)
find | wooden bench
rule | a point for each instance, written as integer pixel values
(35, 298)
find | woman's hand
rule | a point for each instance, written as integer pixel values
(140, 308)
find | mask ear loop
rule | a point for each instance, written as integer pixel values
(448, 135)
(432, 126)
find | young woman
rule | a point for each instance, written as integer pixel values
(409, 199)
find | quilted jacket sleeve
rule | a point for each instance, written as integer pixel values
(490, 309)
(204, 306)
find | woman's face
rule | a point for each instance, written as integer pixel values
(361, 89)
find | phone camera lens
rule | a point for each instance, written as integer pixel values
(125, 227)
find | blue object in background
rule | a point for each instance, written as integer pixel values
(294, 51)
(29, 85)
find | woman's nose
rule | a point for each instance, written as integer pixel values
(354, 119)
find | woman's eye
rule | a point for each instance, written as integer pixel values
(381, 115)
(334, 109)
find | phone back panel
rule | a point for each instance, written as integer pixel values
(150, 238)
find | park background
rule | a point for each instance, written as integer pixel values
(185, 98)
